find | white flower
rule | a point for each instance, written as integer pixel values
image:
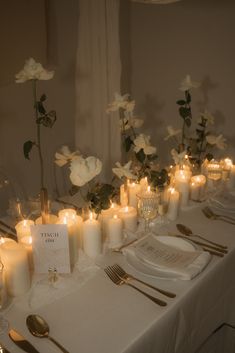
(172, 132)
(33, 71)
(142, 142)
(119, 102)
(124, 171)
(178, 157)
(64, 156)
(84, 170)
(218, 141)
(208, 117)
(187, 84)
(130, 105)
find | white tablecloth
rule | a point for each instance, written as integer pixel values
(102, 318)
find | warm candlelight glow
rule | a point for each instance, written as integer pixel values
(115, 216)
(90, 216)
(148, 188)
(126, 209)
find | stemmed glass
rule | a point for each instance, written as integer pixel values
(147, 207)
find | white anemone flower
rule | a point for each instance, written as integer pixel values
(84, 169)
(219, 141)
(208, 117)
(119, 102)
(178, 157)
(142, 141)
(187, 84)
(172, 132)
(65, 155)
(33, 71)
(124, 171)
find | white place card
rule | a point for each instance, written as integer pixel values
(50, 247)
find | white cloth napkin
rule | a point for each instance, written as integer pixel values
(169, 259)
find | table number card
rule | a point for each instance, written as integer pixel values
(50, 247)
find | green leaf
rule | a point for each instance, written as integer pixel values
(140, 155)
(28, 145)
(181, 102)
(184, 112)
(159, 178)
(41, 108)
(127, 143)
(48, 119)
(209, 156)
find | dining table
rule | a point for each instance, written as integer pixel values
(97, 316)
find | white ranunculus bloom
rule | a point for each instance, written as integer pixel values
(124, 171)
(142, 142)
(187, 84)
(218, 141)
(208, 117)
(172, 132)
(84, 169)
(119, 102)
(178, 157)
(65, 155)
(33, 71)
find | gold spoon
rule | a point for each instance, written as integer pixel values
(39, 328)
(188, 232)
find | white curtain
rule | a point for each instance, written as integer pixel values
(98, 72)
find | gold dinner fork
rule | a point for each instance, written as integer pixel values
(120, 281)
(124, 275)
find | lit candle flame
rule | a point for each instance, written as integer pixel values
(90, 216)
(115, 216)
(126, 209)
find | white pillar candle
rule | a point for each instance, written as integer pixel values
(26, 241)
(197, 187)
(115, 231)
(133, 190)
(105, 217)
(23, 228)
(182, 178)
(92, 240)
(144, 184)
(73, 238)
(123, 195)
(173, 206)
(70, 213)
(129, 216)
(50, 219)
(16, 268)
(3, 289)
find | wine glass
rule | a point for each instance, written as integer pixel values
(147, 207)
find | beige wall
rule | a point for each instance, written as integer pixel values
(23, 35)
(169, 41)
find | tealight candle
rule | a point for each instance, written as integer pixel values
(129, 216)
(16, 268)
(227, 165)
(133, 190)
(182, 178)
(197, 187)
(115, 228)
(23, 228)
(92, 241)
(173, 206)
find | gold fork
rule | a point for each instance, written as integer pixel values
(120, 281)
(124, 275)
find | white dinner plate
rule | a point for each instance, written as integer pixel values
(151, 271)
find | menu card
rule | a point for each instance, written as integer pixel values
(50, 247)
(155, 253)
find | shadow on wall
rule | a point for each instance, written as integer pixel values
(151, 108)
(207, 85)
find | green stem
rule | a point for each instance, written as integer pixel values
(38, 143)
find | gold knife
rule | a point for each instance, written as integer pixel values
(21, 342)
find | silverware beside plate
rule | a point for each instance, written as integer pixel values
(21, 342)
